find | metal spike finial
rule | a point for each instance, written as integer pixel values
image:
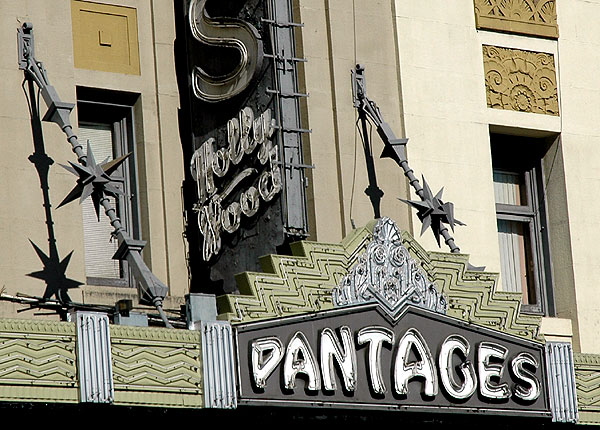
(94, 180)
(431, 210)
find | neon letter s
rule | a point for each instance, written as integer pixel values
(230, 33)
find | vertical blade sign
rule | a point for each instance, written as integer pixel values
(244, 193)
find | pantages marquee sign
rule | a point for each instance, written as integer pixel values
(355, 358)
(389, 345)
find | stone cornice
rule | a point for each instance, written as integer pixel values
(295, 284)
(154, 334)
(37, 326)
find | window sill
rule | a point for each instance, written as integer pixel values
(108, 282)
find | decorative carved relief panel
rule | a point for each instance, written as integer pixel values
(105, 37)
(531, 17)
(519, 80)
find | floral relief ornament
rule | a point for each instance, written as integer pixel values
(519, 80)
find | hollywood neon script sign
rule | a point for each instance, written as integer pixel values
(459, 382)
(247, 137)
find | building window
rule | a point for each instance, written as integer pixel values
(108, 127)
(521, 219)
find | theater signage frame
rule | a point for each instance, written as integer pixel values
(437, 332)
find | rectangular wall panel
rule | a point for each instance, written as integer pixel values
(94, 358)
(561, 382)
(219, 374)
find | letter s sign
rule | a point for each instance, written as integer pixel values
(229, 33)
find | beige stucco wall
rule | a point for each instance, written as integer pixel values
(578, 47)
(22, 215)
(444, 106)
(336, 35)
(160, 160)
(424, 70)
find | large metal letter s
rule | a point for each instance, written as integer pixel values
(229, 33)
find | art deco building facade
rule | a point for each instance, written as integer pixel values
(228, 155)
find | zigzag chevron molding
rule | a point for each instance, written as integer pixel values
(37, 361)
(303, 283)
(295, 284)
(147, 361)
(587, 383)
(472, 296)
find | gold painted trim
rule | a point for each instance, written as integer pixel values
(529, 17)
(106, 53)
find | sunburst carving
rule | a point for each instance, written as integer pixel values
(519, 80)
(388, 275)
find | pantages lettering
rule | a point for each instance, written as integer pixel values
(247, 137)
(452, 369)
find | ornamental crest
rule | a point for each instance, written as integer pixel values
(387, 274)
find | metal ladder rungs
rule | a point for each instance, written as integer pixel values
(294, 94)
(282, 58)
(291, 165)
(293, 130)
(282, 23)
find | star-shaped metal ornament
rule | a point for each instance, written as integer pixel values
(94, 180)
(54, 274)
(433, 212)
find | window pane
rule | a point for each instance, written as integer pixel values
(521, 216)
(100, 138)
(515, 259)
(509, 188)
(99, 248)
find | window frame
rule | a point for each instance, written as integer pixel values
(120, 118)
(528, 163)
